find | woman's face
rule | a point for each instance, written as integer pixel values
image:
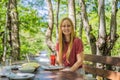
(66, 28)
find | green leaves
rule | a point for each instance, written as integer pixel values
(31, 34)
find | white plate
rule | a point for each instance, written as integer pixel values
(3, 74)
(21, 76)
(52, 67)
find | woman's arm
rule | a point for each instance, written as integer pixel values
(57, 60)
(76, 65)
(79, 62)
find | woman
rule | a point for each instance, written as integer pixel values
(69, 48)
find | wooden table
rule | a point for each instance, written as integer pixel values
(57, 75)
(41, 74)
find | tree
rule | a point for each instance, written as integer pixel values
(71, 11)
(50, 26)
(105, 42)
(87, 27)
(13, 27)
(57, 18)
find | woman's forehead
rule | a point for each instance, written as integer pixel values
(66, 22)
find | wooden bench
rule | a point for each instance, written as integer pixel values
(108, 74)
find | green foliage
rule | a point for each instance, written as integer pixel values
(86, 43)
(33, 24)
(116, 48)
(2, 22)
(63, 10)
(93, 20)
(31, 30)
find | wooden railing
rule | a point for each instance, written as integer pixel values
(109, 74)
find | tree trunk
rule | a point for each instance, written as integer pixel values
(71, 11)
(50, 26)
(91, 38)
(13, 26)
(101, 43)
(113, 25)
(57, 18)
(105, 42)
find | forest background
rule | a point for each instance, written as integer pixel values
(33, 24)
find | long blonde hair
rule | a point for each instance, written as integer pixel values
(61, 41)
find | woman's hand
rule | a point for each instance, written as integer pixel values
(66, 69)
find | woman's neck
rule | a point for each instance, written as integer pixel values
(67, 38)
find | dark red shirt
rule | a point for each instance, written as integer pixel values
(76, 49)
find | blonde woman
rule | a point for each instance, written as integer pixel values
(69, 47)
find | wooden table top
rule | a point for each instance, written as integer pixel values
(57, 75)
(41, 74)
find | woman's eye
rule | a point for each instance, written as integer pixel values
(63, 26)
(68, 25)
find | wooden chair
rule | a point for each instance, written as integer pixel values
(108, 74)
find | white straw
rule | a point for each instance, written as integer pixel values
(27, 58)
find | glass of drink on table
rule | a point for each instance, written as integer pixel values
(52, 59)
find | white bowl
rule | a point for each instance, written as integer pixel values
(27, 70)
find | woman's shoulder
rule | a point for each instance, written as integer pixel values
(77, 42)
(76, 39)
